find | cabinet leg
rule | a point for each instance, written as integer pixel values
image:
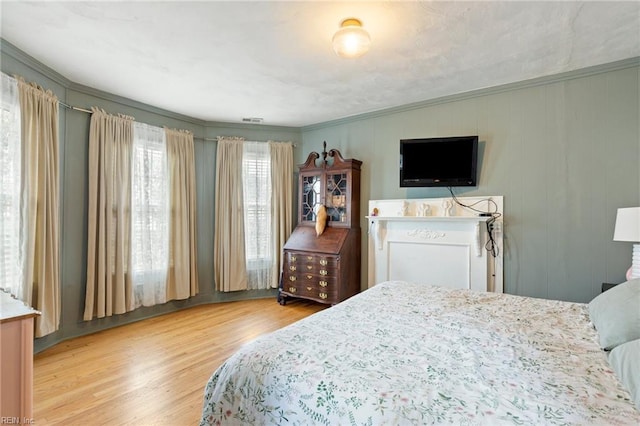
(281, 299)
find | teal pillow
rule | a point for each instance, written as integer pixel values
(625, 361)
(616, 314)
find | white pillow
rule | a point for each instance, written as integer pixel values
(616, 314)
(625, 361)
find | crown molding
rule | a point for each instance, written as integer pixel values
(555, 78)
(20, 56)
(96, 93)
(33, 63)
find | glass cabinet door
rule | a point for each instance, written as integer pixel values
(336, 196)
(310, 197)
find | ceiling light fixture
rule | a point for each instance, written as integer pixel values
(351, 40)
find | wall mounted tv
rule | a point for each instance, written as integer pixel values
(448, 161)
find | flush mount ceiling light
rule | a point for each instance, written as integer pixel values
(351, 40)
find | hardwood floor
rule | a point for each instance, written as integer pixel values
(152, 372)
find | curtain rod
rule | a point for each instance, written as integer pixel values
(91, 112)
(216, 140)
(74, 107)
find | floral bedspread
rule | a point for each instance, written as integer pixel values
(405, 353)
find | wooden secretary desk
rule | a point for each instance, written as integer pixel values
(325, 268)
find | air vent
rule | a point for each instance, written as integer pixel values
(253, 120)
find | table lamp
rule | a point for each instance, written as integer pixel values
(628, 229)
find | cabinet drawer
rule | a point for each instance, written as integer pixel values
(303, 257)
(311, 269)
(321, 292)
(302, 280)
(311, 263)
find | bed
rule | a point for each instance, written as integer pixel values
(409, 353)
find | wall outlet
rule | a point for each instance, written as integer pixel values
(495, 226)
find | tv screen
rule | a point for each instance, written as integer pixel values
(449, 161)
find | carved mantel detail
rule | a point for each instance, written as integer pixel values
(426, 234)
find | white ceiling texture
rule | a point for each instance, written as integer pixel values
(225, 61)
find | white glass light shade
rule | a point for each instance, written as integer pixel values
(628, 229)
(351, 40)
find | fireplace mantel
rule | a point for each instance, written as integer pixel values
(436, 241)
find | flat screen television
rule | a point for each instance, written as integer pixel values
(448, 161)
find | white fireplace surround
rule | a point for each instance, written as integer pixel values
(436, 241)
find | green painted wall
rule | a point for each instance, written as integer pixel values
(564, 153)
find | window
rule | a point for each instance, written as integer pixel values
(149, 214)
(256, 179)
(145, 169)
(11, 263)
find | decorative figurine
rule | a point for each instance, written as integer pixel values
(405, 209)
(447, 207)
(321, 220)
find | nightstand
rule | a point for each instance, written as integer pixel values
(607, 286)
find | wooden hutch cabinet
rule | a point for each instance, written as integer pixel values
(324, 268)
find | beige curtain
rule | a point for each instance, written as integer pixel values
(182, 277)
(281, 201)
(228, 251)
(39, 128)
(109, 287)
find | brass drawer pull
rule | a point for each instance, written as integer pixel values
(292, 289)
(323, 295)
(323, 272)
(292, 278)
(293, 258)
(292, 268)
(323, 262)
(323, 283)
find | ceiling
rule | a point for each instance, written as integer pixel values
(225, 61)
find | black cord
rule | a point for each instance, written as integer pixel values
(490, 245)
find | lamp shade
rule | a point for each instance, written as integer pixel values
(627, 225)
(351, 40)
